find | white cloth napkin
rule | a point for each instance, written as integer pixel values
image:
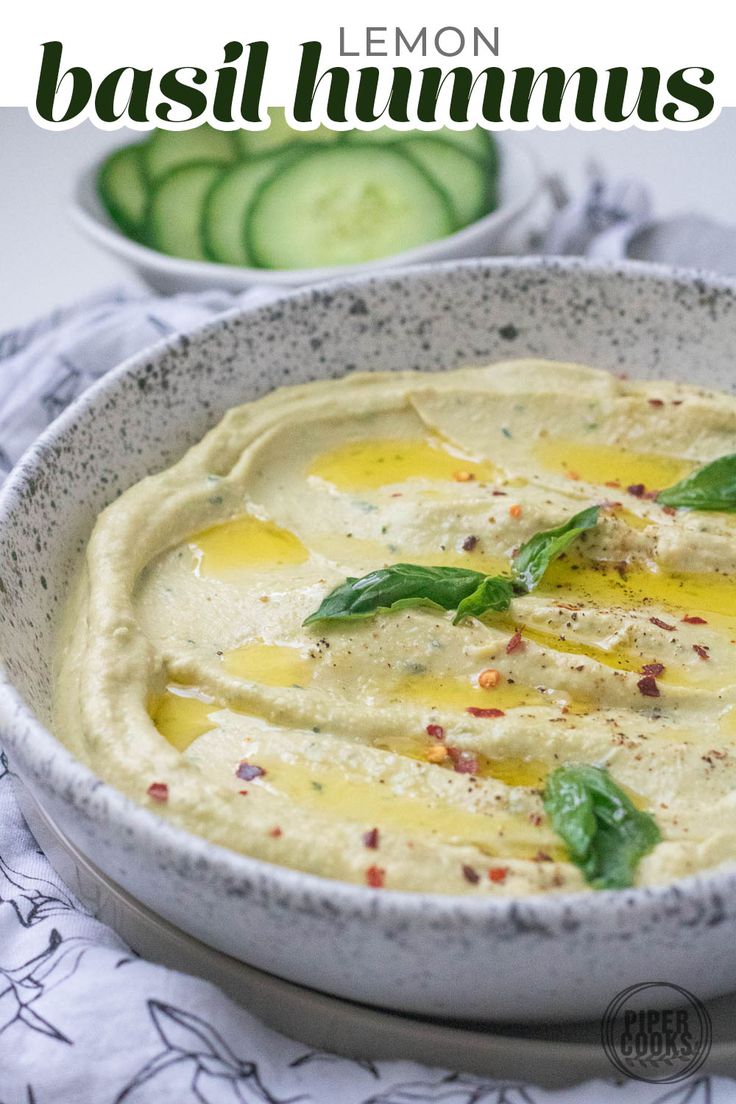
(82, 1019)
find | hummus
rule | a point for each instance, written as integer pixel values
(365, 751)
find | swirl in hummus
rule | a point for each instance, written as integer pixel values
(404, 751)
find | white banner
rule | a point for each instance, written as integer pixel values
(671, 61)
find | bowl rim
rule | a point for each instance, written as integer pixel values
(103, 803)
(89, 215)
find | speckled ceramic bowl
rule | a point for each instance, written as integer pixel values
(538, 958)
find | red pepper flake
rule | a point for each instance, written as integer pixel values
(701, 650)
(612, 483)
(477, 711)
(375, 877)
(670, 510)
(648, 686)
(436, 731)
(514, 642)
(158, 791)
(248, 771)
(662, 624)
(656, 402)
(464, 762)
(498, 873)
(469, 543)
(542, 856)
(694, 620)
(653, 669)
(638, 490)
(275, 832)
(243, 793)
(535, 819)
(470, 874)
(370, 838)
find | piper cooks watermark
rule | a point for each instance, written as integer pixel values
(656, 1032)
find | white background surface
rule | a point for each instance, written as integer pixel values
(44, 262)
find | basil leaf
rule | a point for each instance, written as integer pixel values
(494, 593)
(397, 587)
(471, 593)
(605, 833)
(534, 557)
(712, 487)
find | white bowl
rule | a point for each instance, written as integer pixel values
(520, 182)
(538, 958)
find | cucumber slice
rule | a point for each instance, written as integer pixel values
(227, 204)
(343, 205)
(479, 142)
(174, 223)
(464, 178)
(121, 185)
(166, 149)
(476, 141)
(279, 134)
